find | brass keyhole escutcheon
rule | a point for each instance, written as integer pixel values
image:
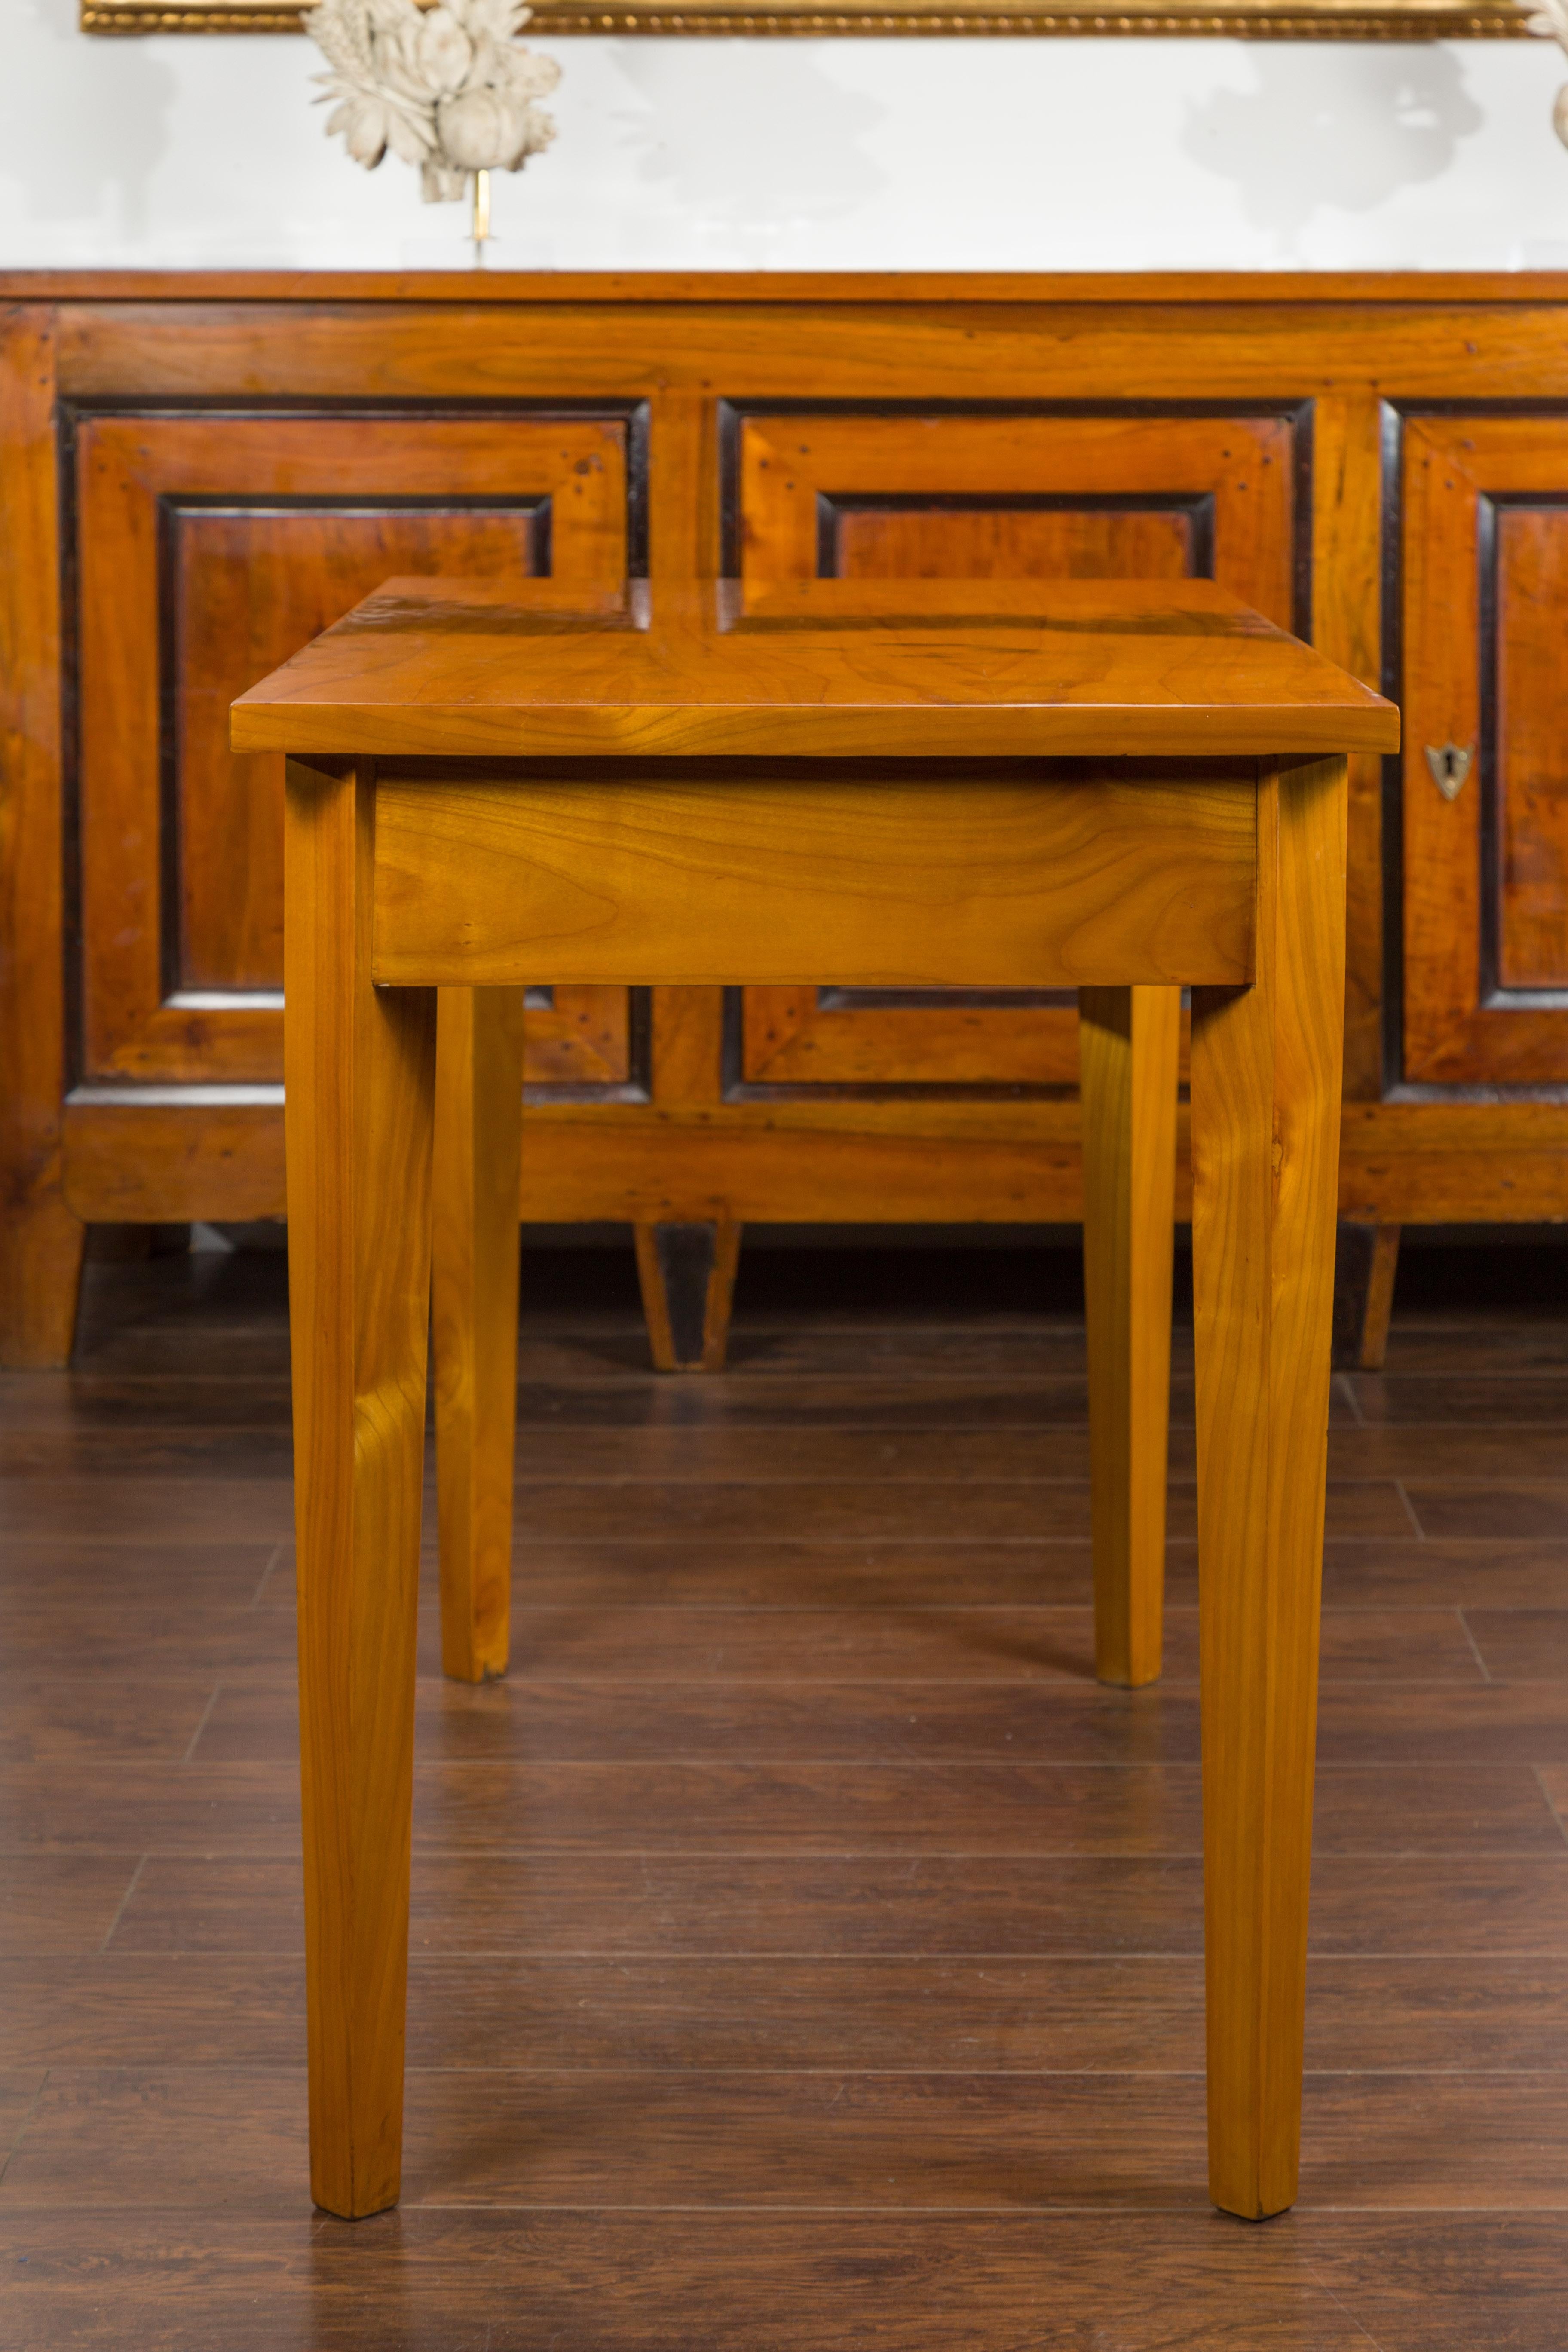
(1449, 767)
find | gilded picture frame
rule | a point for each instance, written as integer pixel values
(1279, 20)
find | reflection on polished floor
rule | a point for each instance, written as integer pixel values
(806, 1949)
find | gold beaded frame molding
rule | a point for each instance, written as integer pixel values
(1266, 20)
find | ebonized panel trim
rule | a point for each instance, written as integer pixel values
(832, 505)
(1493, 996)
(734, 412)
(1397, 1086)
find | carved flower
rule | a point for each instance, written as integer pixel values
(1550, 20)
(449, 87)
(480, 130)
(445, 50)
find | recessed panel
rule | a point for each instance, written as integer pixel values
(210, 548)
(251, 588)
(985, 496)
(1531, 747)
(1000, 542)
(1483, 846)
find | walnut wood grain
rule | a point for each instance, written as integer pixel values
(361, 1076)
(688, 1045)
(40, 1239)
(1101, 667)
(861, 868)
(1265, 1112)
(1128, 1055)
(1327, 290)
(473, 1316)
(968, 879)
(875, 1160)
(1047, 497)
(1484, 565)
(212, 547)
(1531, 585)
(1115, 361)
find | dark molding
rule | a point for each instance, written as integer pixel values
(735, 412)
(1494, 995)
(1196, 506)
(1392, 846)
(1490, 997)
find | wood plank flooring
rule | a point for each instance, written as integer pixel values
(806, 1952)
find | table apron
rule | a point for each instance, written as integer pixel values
(863, 875)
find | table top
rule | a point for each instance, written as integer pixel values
(970, 669)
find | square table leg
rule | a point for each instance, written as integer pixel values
(1266, 1068)
(473, 1298)
(359, 1066)
(1129, 1040)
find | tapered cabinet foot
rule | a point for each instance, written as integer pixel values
(1365, 1267)
(360, 1080)
(1265, 1067)
(473, 1292)
(40, 1280)
(688, 1277)
(1129, 1039)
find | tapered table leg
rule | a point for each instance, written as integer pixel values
(473, 1291)
(360, 1072)
(1266, 1069)
(1128, 1050)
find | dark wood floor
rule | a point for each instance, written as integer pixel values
(806, 1952)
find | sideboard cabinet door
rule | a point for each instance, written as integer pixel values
(1484, 539)
(208, 549)
(981, 495)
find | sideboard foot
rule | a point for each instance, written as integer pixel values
(40, 1278)
(1366, 1261)
(688, 1277)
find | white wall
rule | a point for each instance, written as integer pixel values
(1049, 154)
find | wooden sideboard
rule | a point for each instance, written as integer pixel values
(196, 473)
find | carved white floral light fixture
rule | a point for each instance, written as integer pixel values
(1550, 19)
(447, 87)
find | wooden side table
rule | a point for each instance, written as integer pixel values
(1141, 786)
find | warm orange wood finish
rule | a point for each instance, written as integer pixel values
(985, 501)
(235, 539)
(1129, 1057)
(1128, 411)
(1327, 290)
(805, 1162)
(665, 866)
(361, 1079)
(1381, 1276)
(1265, 1115)
(944, 879)
(443, 668)
(40, 1239)
(686, 1272)
(1485, 872)
(473, 1318)
(1530, 588)
(1038, 497)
